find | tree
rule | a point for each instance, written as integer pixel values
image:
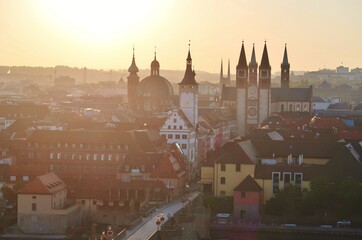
(287, 202)
(9, 194)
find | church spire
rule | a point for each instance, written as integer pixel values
(189, 77)
(242, 58)
(133, 69)
(155, 66)
(221, 71)
(265, 58)
(285, 57)
(285, 66)
(253, 58)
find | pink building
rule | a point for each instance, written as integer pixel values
(247, 199)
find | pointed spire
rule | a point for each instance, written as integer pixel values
(253, 58)
(228, 77)
(265, 58)
(189, 78)
(133, 68)
(242, 59)
(285, 57)
(189, 59)
(221, 70)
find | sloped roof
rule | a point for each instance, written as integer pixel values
(169, 168)
(46, 184)
(248, 185)
(233, 152)
(228, 93)
(291, 94)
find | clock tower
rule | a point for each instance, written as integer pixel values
(188, 90)
(252, 97)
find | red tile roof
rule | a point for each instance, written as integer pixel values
(46, 184)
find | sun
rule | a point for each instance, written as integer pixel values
(100, 21)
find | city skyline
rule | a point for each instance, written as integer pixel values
(101, 34)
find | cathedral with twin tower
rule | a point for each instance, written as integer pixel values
(253, 96)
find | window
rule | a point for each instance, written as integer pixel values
(298, 178)
(95, 157)
(174, 127)
(174, 120)
(33, 206)
(287, 179)
(102, 157)
(94, 202)
(241, 73)
(73, 156)
(13, 178)
(109, 157)
(243, 194)
(25, 178)
(127, 168)
(180, 127)
(183, 146)
(59, 156)
(223, 167)
(222, 180)
(276, 179)
(33, 197)
(59, 145)
(83, 202)
(87, 156)
(169, 136)
(177, 136)
(51, 155)
(237, 167)
(169, 127)
(264, 73)
(184, 136)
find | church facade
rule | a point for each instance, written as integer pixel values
(254, 98)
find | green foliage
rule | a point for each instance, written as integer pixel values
(287, 202)
(334, 198)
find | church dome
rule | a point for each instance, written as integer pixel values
(154, 86)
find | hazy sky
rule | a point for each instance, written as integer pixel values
(101, 34)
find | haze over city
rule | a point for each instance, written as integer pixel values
(101, 34)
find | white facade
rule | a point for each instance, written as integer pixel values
(178, 129)
(189, 102)
(240, 111)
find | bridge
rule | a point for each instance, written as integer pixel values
(148, 227)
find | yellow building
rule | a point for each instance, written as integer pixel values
(43, 207)
(273, 163)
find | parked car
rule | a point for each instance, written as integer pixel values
(343, 223)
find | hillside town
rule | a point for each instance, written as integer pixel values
(75, 154)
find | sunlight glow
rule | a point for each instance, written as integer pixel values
(100, 21)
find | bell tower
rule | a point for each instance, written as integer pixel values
(188, 89)
(241, 87)
(285, 66)
(264, 86)
(132, 82)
